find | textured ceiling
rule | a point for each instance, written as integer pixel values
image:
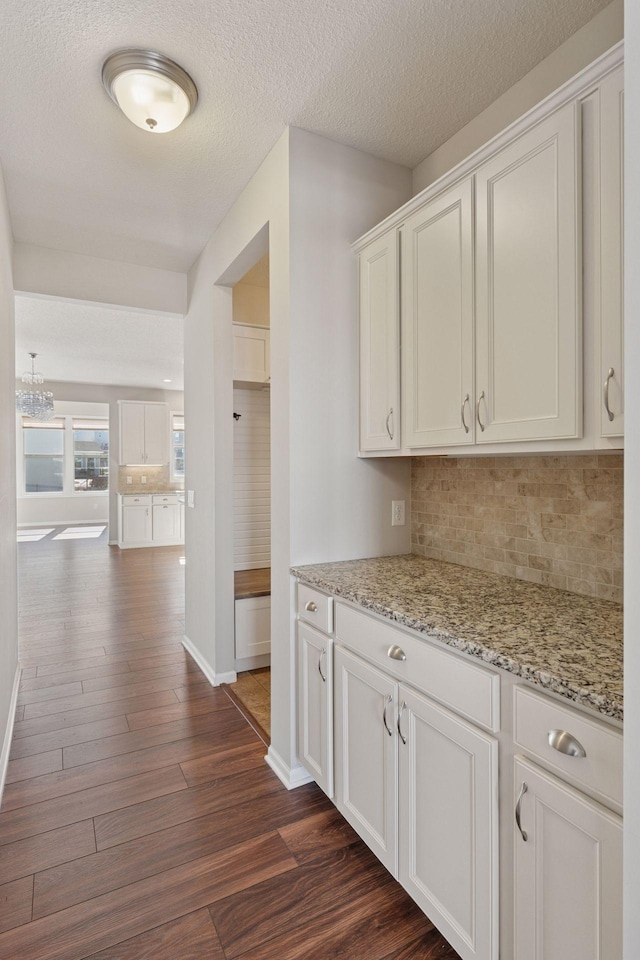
(83, 343)
(393, 78)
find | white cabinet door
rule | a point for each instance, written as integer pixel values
(568, 885)
(315, 705)
(136, 524)
(437, 321)
(166, 522)
(379, 345)
(611, 371)
(156, 434)
(253, 627)
(251, 360)
(448, 816)
(366, 753)
(131, 433)
(528, 283)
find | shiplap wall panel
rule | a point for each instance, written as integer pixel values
(251, 479)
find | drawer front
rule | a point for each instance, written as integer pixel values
(537, 716)
(132, 500)
(470, 690)
(315, 607)
(168, 498)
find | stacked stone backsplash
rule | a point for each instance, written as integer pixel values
(158, 478)
(555, 520)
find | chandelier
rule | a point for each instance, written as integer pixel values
(33, 403)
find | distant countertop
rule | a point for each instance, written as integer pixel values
(561, 641)
(150, 491)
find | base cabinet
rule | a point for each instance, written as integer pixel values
(166, 521)
(253, 627)
(136, 524)
(568, 883)
(448, 823)
(315, 705)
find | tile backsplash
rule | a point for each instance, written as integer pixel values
(555, 520)
(158, 478)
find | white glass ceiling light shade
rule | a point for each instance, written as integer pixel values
(152, 91)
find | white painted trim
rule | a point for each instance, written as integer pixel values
(8, 734)
(573, 89)
(292, 777)
(150, 543)
(215, 679)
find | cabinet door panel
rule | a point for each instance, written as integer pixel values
(156, 434)
(315, 705)
(448, 824)
(528, 283)
(131, 433)
(366, 754)
(166, 521)
(135, 525)
(250, 354)
(568, 888)
(611, 226)
(379, 345)
(437, 321)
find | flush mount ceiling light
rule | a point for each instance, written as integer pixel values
(151, 90)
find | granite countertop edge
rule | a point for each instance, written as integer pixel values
(601, 703)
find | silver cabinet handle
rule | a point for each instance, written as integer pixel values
(387, 702)
(563, 742)
(389, 431)
(322, 653)
(480, 423)
(523, 790)
(464, 422)
(396, 653)
(400, 712)
(310, 606)
(610, 374)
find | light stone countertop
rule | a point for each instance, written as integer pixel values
(564, 642)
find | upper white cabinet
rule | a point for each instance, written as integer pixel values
(611, 352)
(144, 433)
(251, 358)
(528, 301)
(437, 321)
(379, 345)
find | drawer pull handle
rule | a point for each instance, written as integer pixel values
(322, 653)
(310, 606)
(388, 700)
(610, 374)
(480, 423)
(396, 653)
(400, 712)
(523, 790)
(563, 742)
(464, 422)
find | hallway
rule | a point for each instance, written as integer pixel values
(139, 820)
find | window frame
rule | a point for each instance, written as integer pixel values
(176, 477)
(68, 463)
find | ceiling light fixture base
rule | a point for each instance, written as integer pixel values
(154, 92)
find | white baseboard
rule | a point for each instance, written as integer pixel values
(292, 777)
(215, 679)
(8, 734)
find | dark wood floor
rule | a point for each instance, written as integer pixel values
(139, 821)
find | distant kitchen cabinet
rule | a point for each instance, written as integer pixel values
(251, 356)
(166, 521)
(611, 346)
(253, 627)
(144, 433)
(148, 520)
(528, 276)
(135, 520)
(379, 344)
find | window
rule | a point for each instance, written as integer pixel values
(177, 446)
(90, 455)
(44, 457)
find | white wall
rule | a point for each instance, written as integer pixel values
(57, 273)
(251, 304)
(8, 588)
(588, 43)
(97, 393)
(315, 197)
(251, 478)
(632, 486)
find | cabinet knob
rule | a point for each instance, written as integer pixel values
(310, 606)
(396, 653)
(564, 742)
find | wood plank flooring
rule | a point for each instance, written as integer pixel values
(139, 820)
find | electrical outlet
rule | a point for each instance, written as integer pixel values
(129, 479)
(397, 513)
(143, 479)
